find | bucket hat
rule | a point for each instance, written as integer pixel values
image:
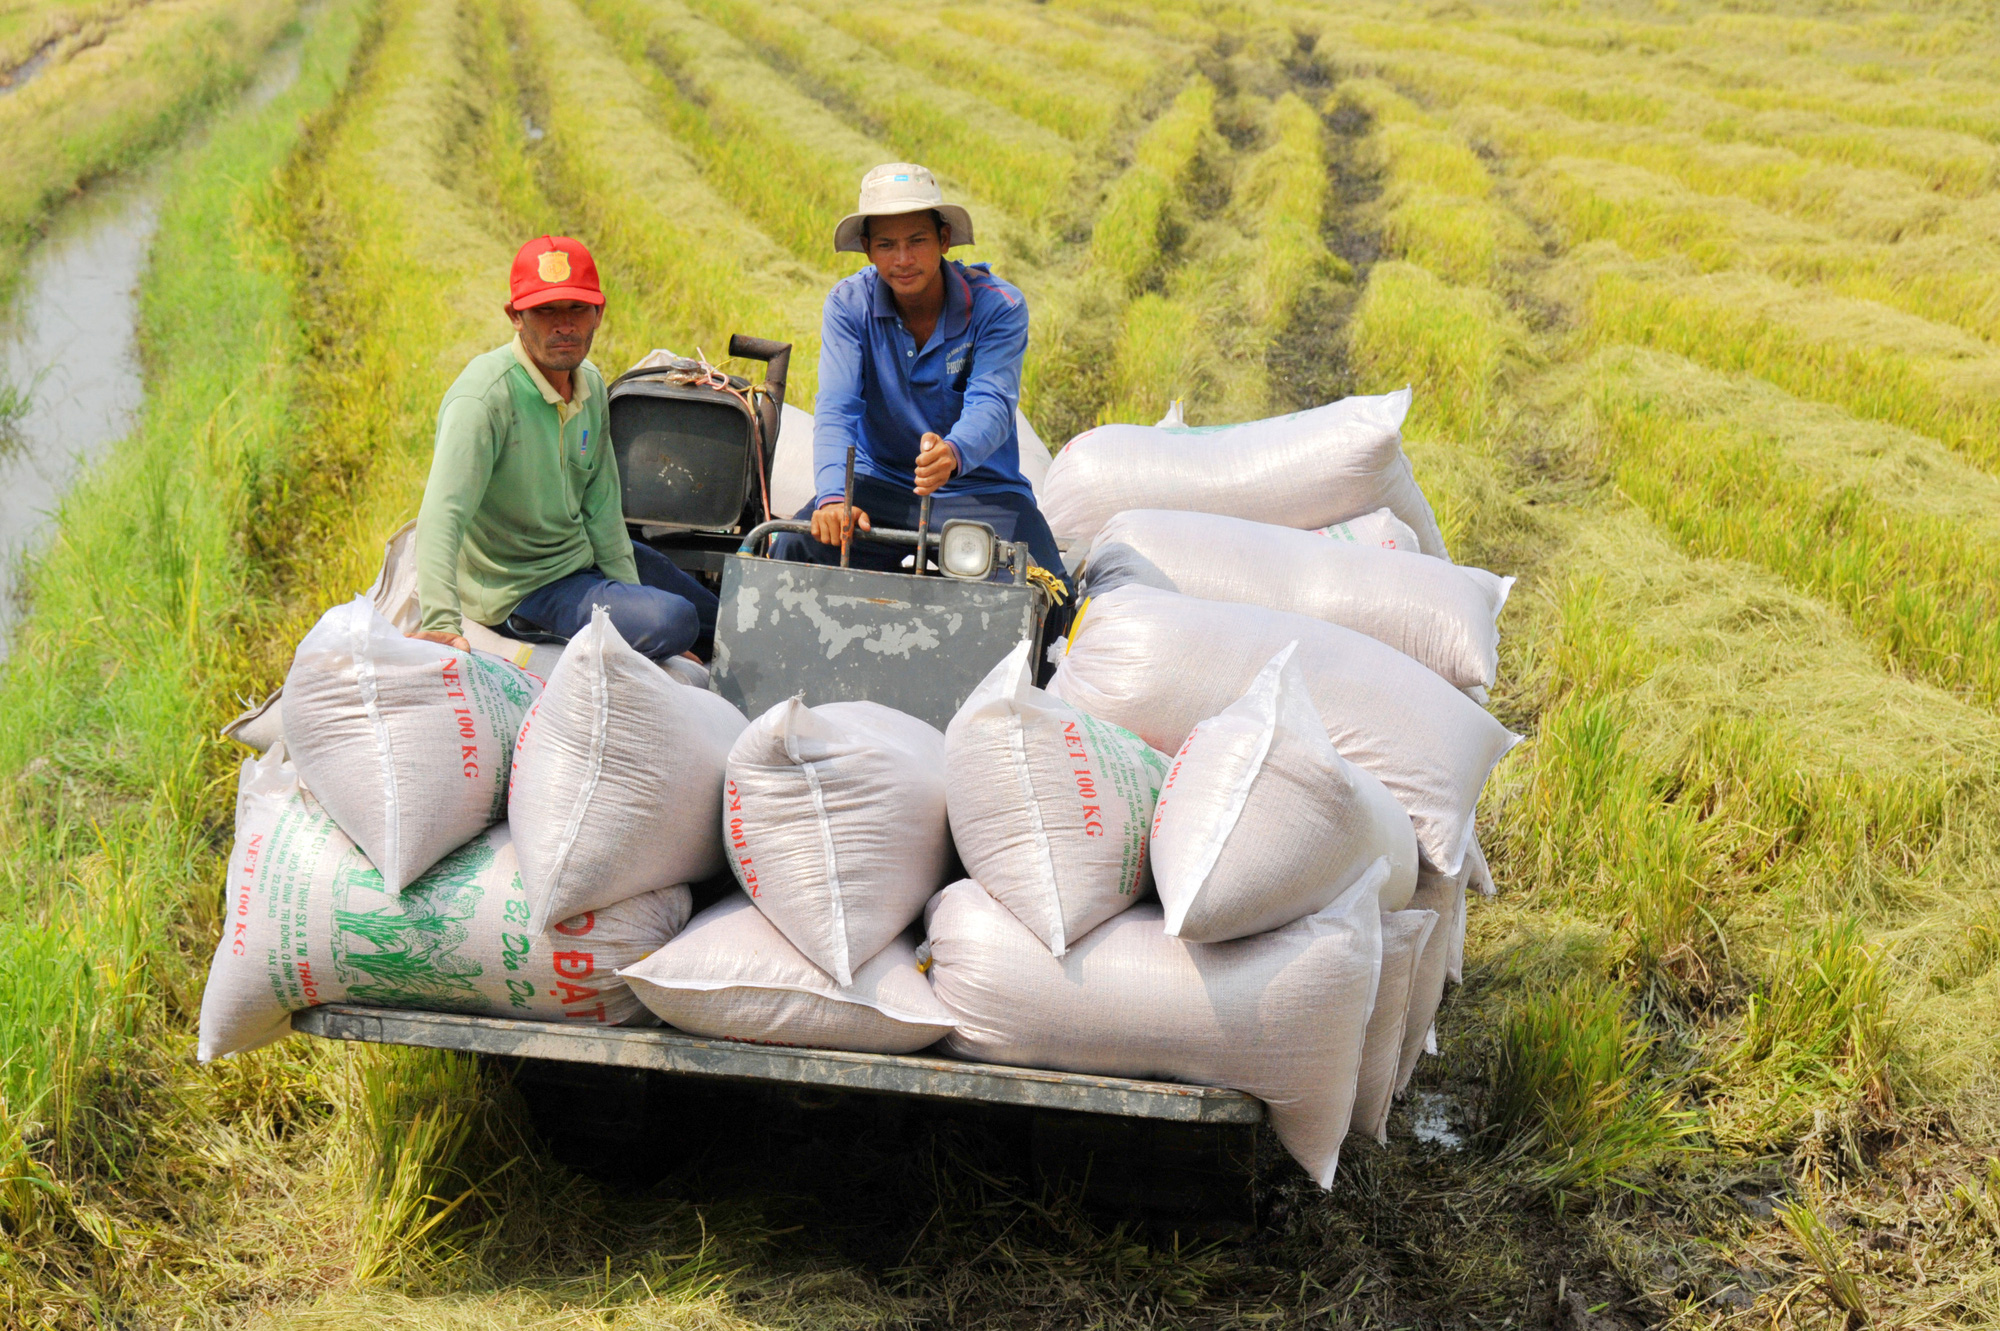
(891, 190)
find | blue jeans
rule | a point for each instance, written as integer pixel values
(1013, 517)
(666, 614)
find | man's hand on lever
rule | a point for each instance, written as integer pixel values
(830, 523)
(935, 464)
(451, 640)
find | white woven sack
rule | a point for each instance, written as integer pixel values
(617, 785)
(1446, 894)
(1159, 663)
(1309, 469)
(1427, 979)
(407, 743)
(835, 821)
(394, 593)
(1280, 1016)
(731, 975)
(310, 921)
(1381, 529)
(794, 485)
(1261, 823)
(1404, 934)
(1443, 614)
(1050, 808)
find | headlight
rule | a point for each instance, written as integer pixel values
(965, 550)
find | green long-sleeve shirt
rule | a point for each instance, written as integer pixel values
(523, 490)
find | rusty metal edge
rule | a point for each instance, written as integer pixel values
(671, 1051)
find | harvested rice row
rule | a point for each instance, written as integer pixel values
(1283, 191)
(50, 32)
(1875, 362)
(1950, 153)
(1770, 62)
(1862, 516)
(1167, 20)
(1080, 108)
(690, 269)
(1907, 249)
(999, 157)
(1902, 369)
(1437, 201)
(780, 156)
(1798, 777)
(1232, 284)
(1709, 147)
(1113, 56)
(105, 106)
(1704, 454)
(408, 253)
(1138, 213)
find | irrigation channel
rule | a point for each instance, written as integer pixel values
(69, 353)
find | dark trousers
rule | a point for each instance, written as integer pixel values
(666, 614)
(1013, 517)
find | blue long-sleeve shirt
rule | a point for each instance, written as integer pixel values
(881, 391)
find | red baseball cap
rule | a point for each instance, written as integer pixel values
(551, 268)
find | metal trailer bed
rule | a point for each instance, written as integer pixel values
(658, 1050)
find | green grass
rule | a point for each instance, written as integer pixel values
(148, 617)
(1568, 1092)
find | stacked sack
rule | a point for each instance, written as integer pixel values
(842, 822)
(1270, 603)
(375, 860)
(1228, 844)
(833, 822)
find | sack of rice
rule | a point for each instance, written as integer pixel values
(731, 975)
(1261, 823)
(1049, 807)
(1310, 469)
(617, 785)
(1444, 615)
(1404, 934)
(406, 743)
(1446, 894)
(1427, 980)
(1381, 529)
(1159, 663)
(835, 819)
(309, 921)
(1280, 1015)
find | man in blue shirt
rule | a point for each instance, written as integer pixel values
(920, 370)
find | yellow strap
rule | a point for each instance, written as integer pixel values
(1076, 624)
(1048, 582)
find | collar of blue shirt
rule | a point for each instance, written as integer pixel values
(957, 315)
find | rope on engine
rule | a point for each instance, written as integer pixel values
(698, 371)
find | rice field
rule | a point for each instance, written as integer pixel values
(1700, 304)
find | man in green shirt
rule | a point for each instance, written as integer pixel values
(522, 527)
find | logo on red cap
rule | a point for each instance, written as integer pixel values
(552, 268)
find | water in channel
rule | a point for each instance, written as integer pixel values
(69, 349)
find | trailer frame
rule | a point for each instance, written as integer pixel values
(659, 1049)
